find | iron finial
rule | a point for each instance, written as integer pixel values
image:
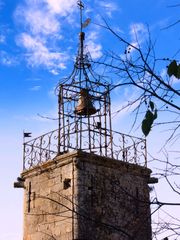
(80, 4)
(81, 7)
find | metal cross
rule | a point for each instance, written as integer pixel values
(81, 7)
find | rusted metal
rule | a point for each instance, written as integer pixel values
(85, 106)
(124, 147)
(84, 114)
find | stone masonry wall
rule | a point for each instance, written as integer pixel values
(48, 201)
(112, 200)
(81, 196)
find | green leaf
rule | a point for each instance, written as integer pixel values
(146, 127)
(151, 105)
(149, 117)
(148, 121)
(178, 72)
(172, 68)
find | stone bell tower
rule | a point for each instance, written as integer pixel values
(85, 181)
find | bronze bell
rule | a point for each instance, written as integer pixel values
(85, 106)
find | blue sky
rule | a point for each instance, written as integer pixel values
(38, 42)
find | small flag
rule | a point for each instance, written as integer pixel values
(86, 23)
(27, 134)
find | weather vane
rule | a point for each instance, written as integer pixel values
(80, 4)
(88, 20)
(81, 7)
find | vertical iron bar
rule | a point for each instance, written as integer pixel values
(105, 123)
(23, 152)
(76, 126)
(59, 119)
(145, 146)
(110, 123)
(63, 120)
(49, 147)
(40, 154)
(24, 147)
(100, 132)
(68, 133)
(80, 118)
(93, 138)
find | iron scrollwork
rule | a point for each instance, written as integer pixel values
(120, 147)
(40, 149)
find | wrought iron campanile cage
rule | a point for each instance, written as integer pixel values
(84, 111)
(84, 107)
(84, 116)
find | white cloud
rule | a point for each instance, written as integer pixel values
(36, 79)
(37, 18)
(138, 32)
(60, 6)
(35, 88)
(38, 53)
(55, 71)
(41, 22)
(42, 32)
(93, 35)
(2, 38)
(42, 16)
(109, 7)
(123, 108)
(6, 59)
(94, 48)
